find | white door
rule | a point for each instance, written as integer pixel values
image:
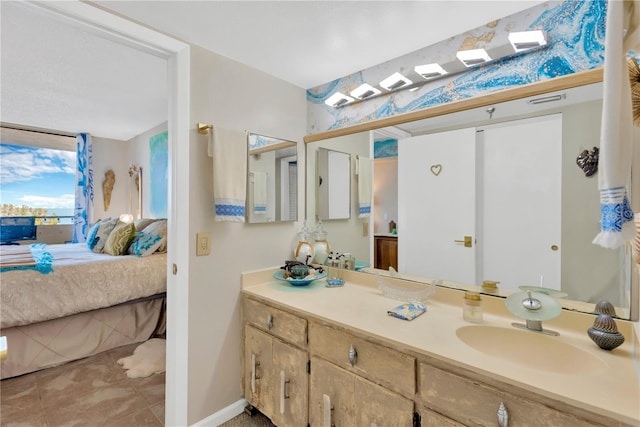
(519, 219)
(436, 202)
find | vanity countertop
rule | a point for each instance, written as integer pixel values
(385, 234)
(610, 389)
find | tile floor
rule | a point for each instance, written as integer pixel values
(92, 392)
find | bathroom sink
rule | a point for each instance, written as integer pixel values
(530, 349)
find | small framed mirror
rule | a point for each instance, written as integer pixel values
(333, 184)
(272, 184)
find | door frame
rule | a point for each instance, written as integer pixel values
(107, 25)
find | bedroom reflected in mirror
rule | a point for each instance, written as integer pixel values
(272, 184)
(333, 184)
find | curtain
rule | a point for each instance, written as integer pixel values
(84, 188)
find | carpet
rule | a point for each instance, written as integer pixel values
(147, 359)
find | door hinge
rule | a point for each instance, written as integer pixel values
(416, 419)
(308, 366)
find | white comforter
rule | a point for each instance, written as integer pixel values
(81, 281)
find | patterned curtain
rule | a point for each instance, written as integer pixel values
(84, 187)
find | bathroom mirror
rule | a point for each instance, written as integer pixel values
(333, 184)
(272, 192)
(593, 272)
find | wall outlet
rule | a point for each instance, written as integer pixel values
(365, 229)
(203, 244)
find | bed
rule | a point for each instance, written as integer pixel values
(83, 304)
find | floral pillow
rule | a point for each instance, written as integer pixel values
(159, 228)
(119, 239)
(144, 244)
(104, 229)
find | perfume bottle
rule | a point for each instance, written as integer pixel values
(472, 307)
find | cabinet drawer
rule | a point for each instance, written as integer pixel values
(474, 404)
(287, 326)
(386, 366)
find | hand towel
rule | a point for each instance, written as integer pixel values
(408, 311)
(365, 188)
(259, 192)
(617, 225)
(229, 149)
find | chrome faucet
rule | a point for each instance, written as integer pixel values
(531, 310)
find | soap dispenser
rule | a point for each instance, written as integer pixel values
(472, 307)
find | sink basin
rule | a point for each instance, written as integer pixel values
(530, 349)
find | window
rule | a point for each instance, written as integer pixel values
(37, 180)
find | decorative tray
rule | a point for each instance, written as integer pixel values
(299, 282)
(418, 292)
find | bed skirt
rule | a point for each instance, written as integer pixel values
(53, 342)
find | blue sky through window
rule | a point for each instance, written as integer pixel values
(38, 177)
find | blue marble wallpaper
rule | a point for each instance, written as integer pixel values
(575, 42)
(385, 148)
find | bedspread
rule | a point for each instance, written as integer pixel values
(81, 281)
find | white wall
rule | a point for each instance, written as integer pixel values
(228, 94)
(385, 190)
(110, 154)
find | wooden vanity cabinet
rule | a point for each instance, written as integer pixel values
(276, 381)
(299, 371)
(385, 252)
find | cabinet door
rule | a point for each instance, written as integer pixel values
(377, 406)
(258, 368)
(331, 395)
(292, 388)
(386, 253)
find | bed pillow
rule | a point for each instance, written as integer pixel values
(104, 229)
(91, 237)
(119, 239)
(144, 244)
(158, 228)
(142, 223)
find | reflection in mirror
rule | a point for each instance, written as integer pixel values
(333, 180)
(272, 184)
(567, 261)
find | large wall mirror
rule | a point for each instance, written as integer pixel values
(466, 159)
(272, 184)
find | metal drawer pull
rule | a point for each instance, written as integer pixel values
(503, 416)
(353, 355)
(269, 321)
(254, 363)
(327, 407)
(284, 394)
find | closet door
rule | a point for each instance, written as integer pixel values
(521, 194)
(436, 205)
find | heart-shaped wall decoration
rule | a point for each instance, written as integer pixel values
(436, 169)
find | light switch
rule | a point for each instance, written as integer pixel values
(203, 244)
(365, 229)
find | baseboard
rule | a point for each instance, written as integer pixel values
(223, 415)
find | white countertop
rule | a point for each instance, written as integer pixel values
(611, 389)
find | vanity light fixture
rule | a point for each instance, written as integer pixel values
(429, 71)
(364, 91)
(473, 57)
(338, 99)
(525, 40)
(395, 81)
(550, 98)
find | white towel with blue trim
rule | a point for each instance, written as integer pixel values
(229, 150)
(617, 224)
(259, 192)
(365, 187)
